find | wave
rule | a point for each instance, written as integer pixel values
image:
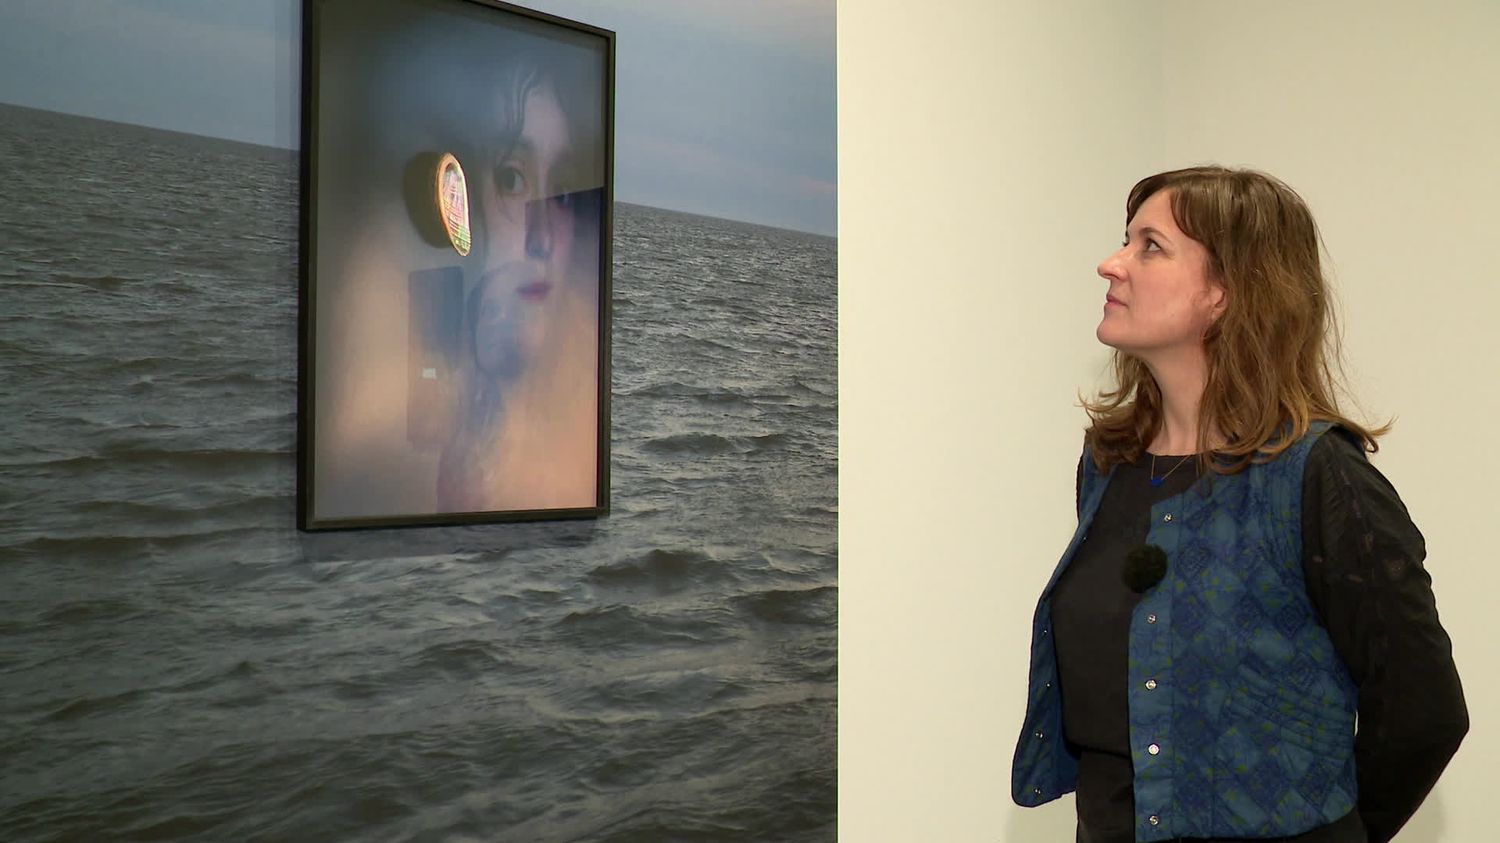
(464, 659)
(84, 706)
(677, 389)
(818, 605)
(249, 508)
(619, 627)
(699, 444)
(124, 547)
(212, 680)
(189, 459)
(190, 370)
(103, 283)
(666, 570)
(85, 611)
(824, 390)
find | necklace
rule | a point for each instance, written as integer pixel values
(1157, 481)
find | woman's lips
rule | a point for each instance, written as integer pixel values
(535, 291)
(1111, 300)
(525, 278)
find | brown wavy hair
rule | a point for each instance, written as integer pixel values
(1272, 352)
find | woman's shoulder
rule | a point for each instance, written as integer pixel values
(1337, 444)
(1339, 470)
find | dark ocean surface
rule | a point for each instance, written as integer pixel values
(178, 662)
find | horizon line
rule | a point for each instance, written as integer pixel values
(297, 150)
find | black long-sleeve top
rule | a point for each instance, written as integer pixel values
(1362, 559)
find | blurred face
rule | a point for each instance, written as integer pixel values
(497, 333)
(528, 235)
(1159, 297)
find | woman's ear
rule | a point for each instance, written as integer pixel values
(1218, 299)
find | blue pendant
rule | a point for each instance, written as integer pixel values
(1157, 481)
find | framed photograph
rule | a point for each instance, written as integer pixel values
(457, 172)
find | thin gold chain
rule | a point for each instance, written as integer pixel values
(1157, 481)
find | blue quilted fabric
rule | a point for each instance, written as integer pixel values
(1247, 726)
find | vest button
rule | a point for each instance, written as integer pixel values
(1151, 684)
(1151, 618)
(1154, 819)
(1037, 791)
(1167, 518)
(1153, 749)
(1039, 736)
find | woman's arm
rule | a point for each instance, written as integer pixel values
(1363, 561)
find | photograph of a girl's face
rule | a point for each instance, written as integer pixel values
(455, 264)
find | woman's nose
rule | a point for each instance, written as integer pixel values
(538, 229)
(1109, 268)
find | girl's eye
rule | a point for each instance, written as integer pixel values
(509, 179)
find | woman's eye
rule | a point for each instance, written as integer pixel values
(509, 179)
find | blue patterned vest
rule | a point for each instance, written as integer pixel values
(1241, 712)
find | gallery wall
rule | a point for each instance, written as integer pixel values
(986, 151)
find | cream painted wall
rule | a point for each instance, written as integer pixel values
(986, 148)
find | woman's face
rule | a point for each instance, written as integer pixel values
(528, 230)
(1159, 297)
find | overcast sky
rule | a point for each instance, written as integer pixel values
(723, 107)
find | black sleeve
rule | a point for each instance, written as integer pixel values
(1363, 561)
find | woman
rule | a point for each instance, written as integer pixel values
(1242, 581)
(531, 313)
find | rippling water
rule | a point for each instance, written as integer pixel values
(177, 662)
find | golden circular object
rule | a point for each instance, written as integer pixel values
(453, 202)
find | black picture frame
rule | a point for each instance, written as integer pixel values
(457, 198)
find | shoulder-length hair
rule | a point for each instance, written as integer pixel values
(1272, 352)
